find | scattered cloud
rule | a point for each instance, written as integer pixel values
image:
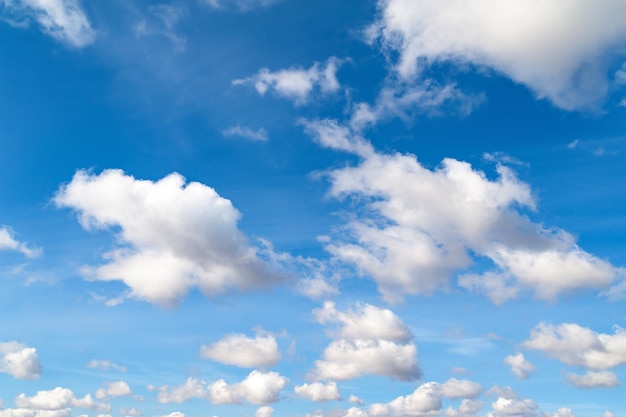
(105, 365)
(8, 242)
(63, 20)
(114, 389)
(520, 367)
(370, 340)
(602, 379)
(296, 84)
(239, 5)
(259, 135)
(163, 21)
(19, 360)
(318, 392)
(355, 400)
(58, 399)
(264, 411)
(509, 404)
(173, 236)
(240, 350)
(550, 54)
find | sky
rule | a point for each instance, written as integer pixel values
(312, 208)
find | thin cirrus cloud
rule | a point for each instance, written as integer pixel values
(63, 20)
(19, 360)
(259, 135)
(296, 83)
(423, 224)
(534, 43)
(175, 236)
(8, 242)
(239, 5)
(242, 351)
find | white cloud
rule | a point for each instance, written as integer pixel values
(467, 408)
(520, 367)
(602, 379)
(259, 135)
(8, 242)
(417, 227)
(296, 84)
(355, 400)
(260, 388)
(23, 412)
(575, 345)
(318, 392)
(264, 411)
(560, 50)
(63, 20)
(239, 5)
(130, 412)
(57, 399)
(114, 389)
(19, 360)
(174, 414)
(370, 340)
(240, 350)
(509, 404)
(105, 365)
(173, 236)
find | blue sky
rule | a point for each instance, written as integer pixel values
(325, 209)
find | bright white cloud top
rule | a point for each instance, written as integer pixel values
(312, 208)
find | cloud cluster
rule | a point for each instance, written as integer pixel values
(19, 360)
(369, 340)
(172, 236)
(63, 20)
(296, 84)
(260, 388)
(560, 50)
(8, 242)
(418, 227)
(57, 400)
(240, 350)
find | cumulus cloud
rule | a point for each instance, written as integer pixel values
(63, 20)
(417, 227)
(173, 236)
(240, 350)
(264, 411)
(509, 404)
(260, 388)
(57, 399)
(8, 242)
(602, 379)
(560, 50)
(259, 135)
(575, 345)
(318, 392)
(520, 367)
(369, 340)
(297, 83)
(19, 360)
(105, 365)
(114, 389)
(467, 408)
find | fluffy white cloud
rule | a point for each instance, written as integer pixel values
(296, 83)
(422, 226)
(23, 412)
(560, 49)
(575, 345)
(355, 400)
(114, 389)
(174, 414)
(264, 411)
(520, 367)
(426, 399)
(64, 20)
(8, 242)
(259, 135)
(602, 379)
(259, 388)
(57, 399)
(173, 236)
(318, 392)
(467, 408)
(19, 360)
(509, 404)
(370, 340)
(240, 350)
(130, 412)
(105, 365)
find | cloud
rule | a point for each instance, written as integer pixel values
(240, 350)
(318, 392)
(416, 227)
(264, 411)
(105, 365)
(296, 84)
(57, 399)
(355, 400)
(239, 5)
(131, 412)
(509, 404)
(467, 408)
(260, 388)
(259, 135)
(114, 389)
(165, 18)
(8, 242)
(560, 50)
(370, 340)
(63, 20)
(520, 367)
(602, 379)
(172, 236)
(23, 412)
(19, 360)
(575, 345)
